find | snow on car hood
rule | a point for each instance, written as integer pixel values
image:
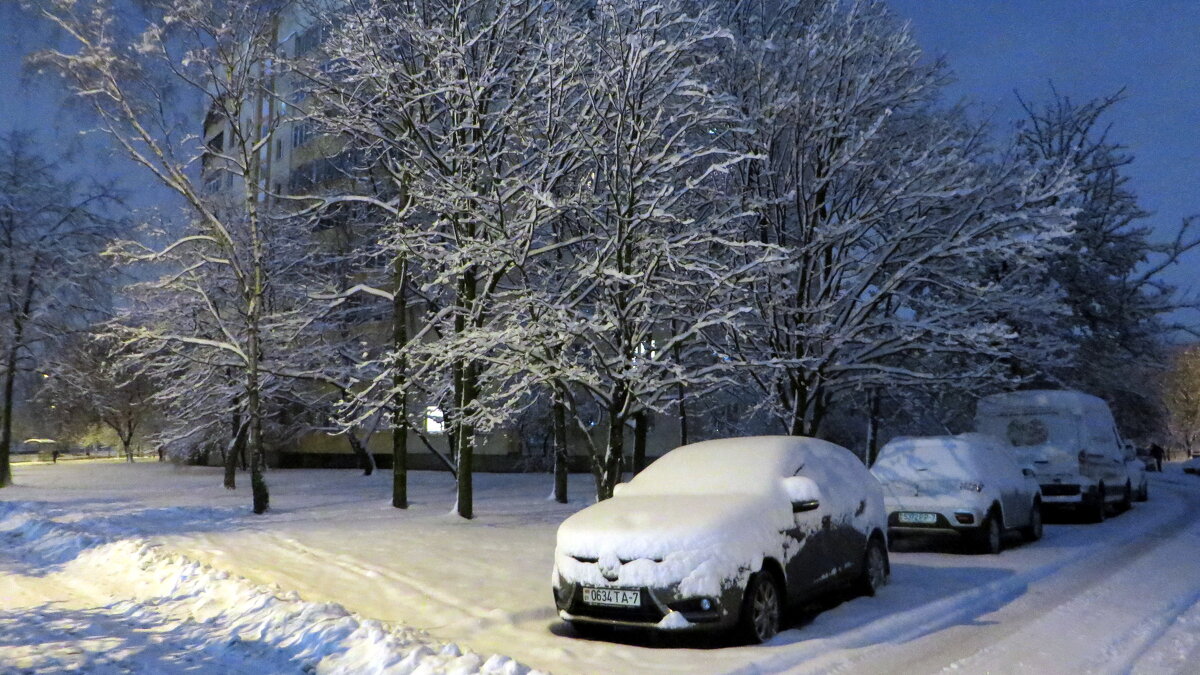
(703, 543)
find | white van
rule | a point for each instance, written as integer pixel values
(1070, 441)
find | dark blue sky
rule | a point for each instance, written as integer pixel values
(1089, 48)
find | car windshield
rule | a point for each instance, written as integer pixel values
(928, 460)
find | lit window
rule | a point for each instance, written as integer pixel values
(435, 421)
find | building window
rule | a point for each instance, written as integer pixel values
(278, 148)
(302, 133)
(217, 143)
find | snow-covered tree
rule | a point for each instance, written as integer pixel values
(626, 316)
(909, 240)
(137, 77)
(1181, 395)
(1110, 268)
(454, 104)
(52, 229)
(88, 379)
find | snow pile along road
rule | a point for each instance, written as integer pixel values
(192, 608)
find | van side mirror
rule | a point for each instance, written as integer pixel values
(803, 493)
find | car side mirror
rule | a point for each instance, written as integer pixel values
(1028, 472)
(803, 492)
(618, 489)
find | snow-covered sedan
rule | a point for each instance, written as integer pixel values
(967, 485)
(723, 534)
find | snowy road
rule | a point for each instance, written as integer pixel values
(1121, 596)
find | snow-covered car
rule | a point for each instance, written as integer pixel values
(1070, 441)
(1192, 465)
(723, 534)
(967, 485)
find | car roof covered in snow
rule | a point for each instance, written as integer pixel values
(1075, 402)
(726, 464)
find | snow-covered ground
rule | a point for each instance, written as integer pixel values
(107, 567)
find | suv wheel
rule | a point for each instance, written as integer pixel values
(762, 608)
(990, 533)
(1034, 531)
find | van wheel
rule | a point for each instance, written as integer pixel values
(762, 608)
(1098, 510)
(989, 536)
(1033, 531)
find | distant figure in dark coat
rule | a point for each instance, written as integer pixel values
(54, 456)
(1156, 452)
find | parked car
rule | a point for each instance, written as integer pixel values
(1192, 465)
(966, 485)
(1070, 441)
(723, 534)
(1137, 473)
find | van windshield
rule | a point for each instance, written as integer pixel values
(1029, 430)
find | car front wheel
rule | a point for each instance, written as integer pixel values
(762, 608)
(990, 535)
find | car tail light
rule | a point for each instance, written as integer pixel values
(964, 518)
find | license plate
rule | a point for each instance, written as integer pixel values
(918, 518)
(611, 597)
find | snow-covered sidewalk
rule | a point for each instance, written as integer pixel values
(159, 565)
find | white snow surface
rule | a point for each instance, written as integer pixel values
(108, 568)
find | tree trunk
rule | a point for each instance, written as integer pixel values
(127, 448)
(400, 386)
(561, 470)
(683, 416)
(873, 429)
(466, 447)
(614, 454)
(468, 390)
(640, 423)
(365, 461)
(235, 447)
(10, 375)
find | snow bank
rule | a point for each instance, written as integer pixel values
(223, 612)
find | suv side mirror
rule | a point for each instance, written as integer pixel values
(803, 493)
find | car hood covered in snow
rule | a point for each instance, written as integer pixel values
(701, 542)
